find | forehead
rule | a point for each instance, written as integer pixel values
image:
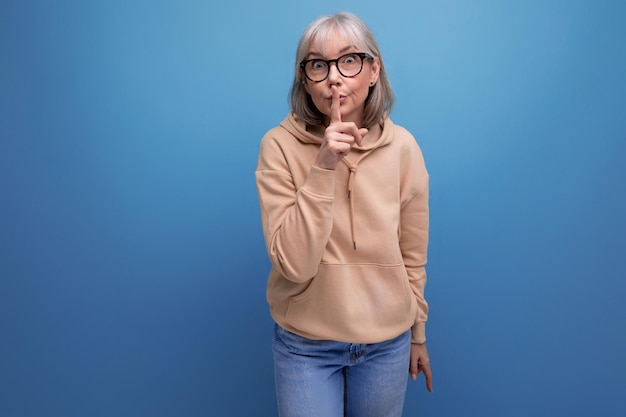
(332, 42)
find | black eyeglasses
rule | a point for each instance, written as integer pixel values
(348, 65)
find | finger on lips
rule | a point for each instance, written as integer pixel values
(351, 130)
(335, 111)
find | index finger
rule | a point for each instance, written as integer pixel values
(429, 381)
(335, 111)
(429, 378)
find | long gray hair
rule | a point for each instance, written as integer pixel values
(380, 100)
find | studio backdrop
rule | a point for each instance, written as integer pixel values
(132, 263)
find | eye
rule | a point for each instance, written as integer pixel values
(317, 64)
(350, 59)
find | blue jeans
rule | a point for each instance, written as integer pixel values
(321, 378)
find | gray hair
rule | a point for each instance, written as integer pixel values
(380, 100)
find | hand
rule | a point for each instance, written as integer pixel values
(420, 363)
(339, 136)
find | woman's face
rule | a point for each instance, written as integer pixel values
(352, 90)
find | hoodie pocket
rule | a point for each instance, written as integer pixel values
(343, 297)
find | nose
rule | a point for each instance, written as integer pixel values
(333, 73)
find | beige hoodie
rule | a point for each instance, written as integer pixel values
(347, 246)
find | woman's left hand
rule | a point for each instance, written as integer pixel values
(420, 363)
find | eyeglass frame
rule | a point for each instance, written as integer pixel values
(362, 55)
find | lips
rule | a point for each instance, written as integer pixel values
(341, 98)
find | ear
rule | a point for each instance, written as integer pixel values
(304, 82)
(374, 70)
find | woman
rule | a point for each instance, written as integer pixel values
(344, 204)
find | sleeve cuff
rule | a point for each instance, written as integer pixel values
(418, 333)
(321, 182)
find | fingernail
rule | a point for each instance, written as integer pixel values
(413, 377)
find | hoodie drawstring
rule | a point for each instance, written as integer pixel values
(352, 168)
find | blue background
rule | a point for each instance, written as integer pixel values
(132, 265)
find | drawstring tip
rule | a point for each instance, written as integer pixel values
(354, 244)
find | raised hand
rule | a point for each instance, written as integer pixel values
(339, 137)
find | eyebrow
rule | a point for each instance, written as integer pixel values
(317, 54)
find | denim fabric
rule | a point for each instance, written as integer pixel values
(334, 379)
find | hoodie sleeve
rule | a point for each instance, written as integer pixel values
(296, 222)
(414, 236)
